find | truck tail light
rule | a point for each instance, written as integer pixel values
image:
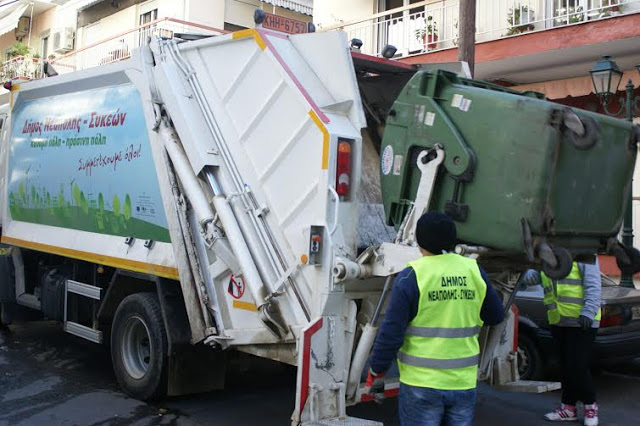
(343, 168)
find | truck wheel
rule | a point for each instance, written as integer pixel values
(139, 349)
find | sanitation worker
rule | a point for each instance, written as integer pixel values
(573, 311)
(438, 305)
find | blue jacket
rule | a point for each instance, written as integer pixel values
(403, 307)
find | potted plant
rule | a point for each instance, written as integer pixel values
(428, 33)
(18, 49)
(51, 57)
(570, 15)
(519, 19)
(608, 8)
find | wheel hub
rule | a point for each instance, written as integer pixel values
(136, 347)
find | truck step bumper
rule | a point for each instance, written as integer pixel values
(530, 386)
(348, 421)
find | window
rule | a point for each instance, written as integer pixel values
(149, 16)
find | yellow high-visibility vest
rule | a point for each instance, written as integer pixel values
(564, 298)
(440, 348)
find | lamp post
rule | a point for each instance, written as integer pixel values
(606, 77)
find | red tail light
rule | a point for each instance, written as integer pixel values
(343, 168)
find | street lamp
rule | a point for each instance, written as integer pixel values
(606, 77)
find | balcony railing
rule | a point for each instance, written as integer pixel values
(433, 24)
(21, 67)
(120, 46)
(112, 49)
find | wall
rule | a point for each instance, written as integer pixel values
(334, 12)
(211, 12)
(170, 9)
(103, 10)
(107, 27)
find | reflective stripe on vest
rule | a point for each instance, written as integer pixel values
(413, 330)
(573, 322)
(440, 349)
(444, 364)
(564, 298)
(576, 300)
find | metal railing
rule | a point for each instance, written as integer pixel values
(21, 67)
(433, 24)
(120, 46)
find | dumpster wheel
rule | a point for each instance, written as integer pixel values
(583, 133)
(631, 265)
(564, 263)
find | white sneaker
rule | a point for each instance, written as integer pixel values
(564, 413)
(591, 415)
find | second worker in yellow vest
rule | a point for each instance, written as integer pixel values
(573, 311)
(438, 305)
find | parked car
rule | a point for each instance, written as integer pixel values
(618, 338)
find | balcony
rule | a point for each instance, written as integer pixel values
(120, 46)
(112, 49)
(21, 68)
(432, 25)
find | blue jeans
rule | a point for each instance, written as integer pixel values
(419, 406)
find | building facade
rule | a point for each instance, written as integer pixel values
(77, 34)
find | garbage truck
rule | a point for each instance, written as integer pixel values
(258, 192)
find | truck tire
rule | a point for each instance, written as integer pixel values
(139, 349)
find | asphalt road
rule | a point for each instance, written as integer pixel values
(51, 378)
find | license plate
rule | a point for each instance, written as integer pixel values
(635, 312)
(285, 25)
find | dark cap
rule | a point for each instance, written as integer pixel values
(436, 232)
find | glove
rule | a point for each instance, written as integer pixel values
(530, 278)
(585, 322)
(374, 383)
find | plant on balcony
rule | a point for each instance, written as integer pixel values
(608, 8)
(519, 19)
(51, 57)
(18, 49)
(456, 36)
(428, 33)
(568, 16)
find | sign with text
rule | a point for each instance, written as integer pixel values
(83, 161)
(285, 25)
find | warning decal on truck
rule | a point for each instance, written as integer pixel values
(83, 161)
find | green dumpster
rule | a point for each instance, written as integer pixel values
(521, 174)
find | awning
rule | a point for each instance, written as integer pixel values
(302, 6)
(86, 3)
(10, 16)
(579, 86)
